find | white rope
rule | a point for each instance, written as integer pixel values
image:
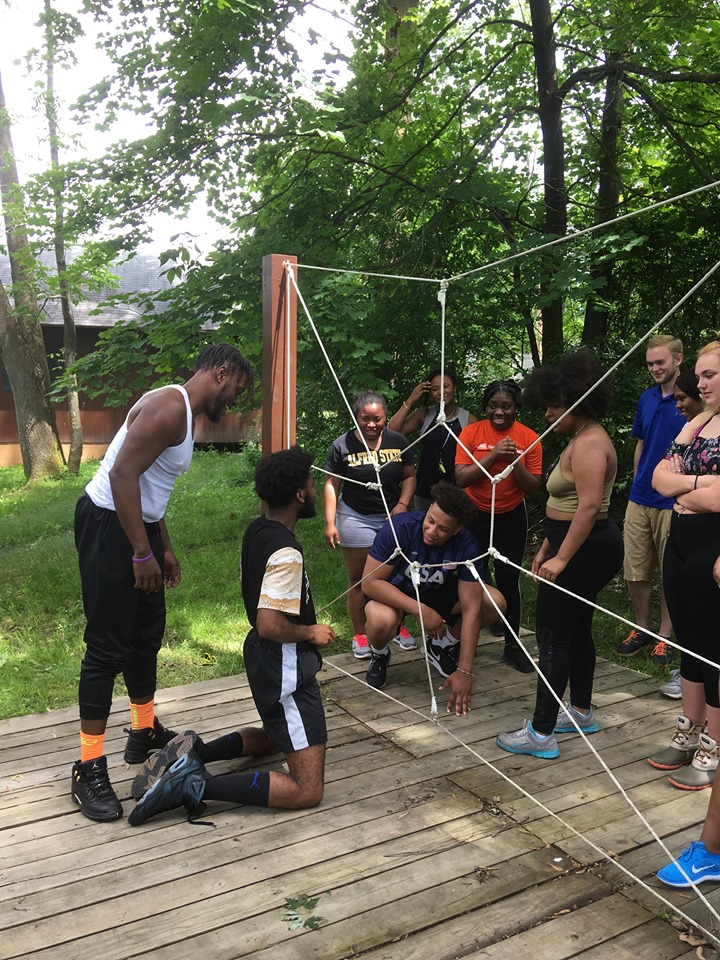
(603, 853)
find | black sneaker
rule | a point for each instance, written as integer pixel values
(157, 763)
(182, 785)
(376, 675)
(497, 629)
(514, 657)
(634, 643)
(141, 743)
(444, 659)
(662, 653)
(92, 791)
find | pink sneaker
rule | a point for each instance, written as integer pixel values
(360, 647)
(404, 639)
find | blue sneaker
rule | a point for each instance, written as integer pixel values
(586, 722)
(182, 785)
(529, 742)
(696, 863)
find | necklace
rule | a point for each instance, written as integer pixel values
(578, 432)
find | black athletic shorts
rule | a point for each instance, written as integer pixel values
(282, 678)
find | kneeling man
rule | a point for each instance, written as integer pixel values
(453, 603)
(282, 658)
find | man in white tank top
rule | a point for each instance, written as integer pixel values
(126, 561)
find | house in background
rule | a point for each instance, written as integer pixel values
(100, 423)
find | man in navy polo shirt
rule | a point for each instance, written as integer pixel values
(454, 603)
(647, 520)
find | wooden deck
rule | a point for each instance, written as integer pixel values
(419, 851)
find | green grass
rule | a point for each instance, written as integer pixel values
(41, 617)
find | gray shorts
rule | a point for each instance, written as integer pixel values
(355, 529)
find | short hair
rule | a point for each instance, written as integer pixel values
(366, 397)
(502, 386)
(454, 502)
(225, 355)
(688, 383)
(279, 476)
(447, 372)
(566, 381)
(673, 344)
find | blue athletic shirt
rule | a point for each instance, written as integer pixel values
(657, 422)
(408, 527)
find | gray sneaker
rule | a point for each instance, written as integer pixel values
(527, 741)
(672, 688)
(157, 763)
(701, 772)
(586, 722)
(682, 747)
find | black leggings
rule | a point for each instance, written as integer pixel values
(693, 597)
(564, 625)
(124, 626)
(510, 538)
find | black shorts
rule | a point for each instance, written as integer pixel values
(282, 678)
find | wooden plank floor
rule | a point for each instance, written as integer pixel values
(419, 850)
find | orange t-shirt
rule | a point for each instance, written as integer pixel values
(480, 438)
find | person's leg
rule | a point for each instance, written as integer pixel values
(355, 558)
(382, 623)
(640, 593)
(511, 539)
(640, 560)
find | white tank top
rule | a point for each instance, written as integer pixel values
(158, 480)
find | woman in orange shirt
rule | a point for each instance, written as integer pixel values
(494, 443)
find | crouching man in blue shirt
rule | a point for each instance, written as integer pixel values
(454, 602)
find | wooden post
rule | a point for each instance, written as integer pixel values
(279, 366)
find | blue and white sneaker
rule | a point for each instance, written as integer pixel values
(695, 863)
(672, 688)
(529, 742)
(586, 722)
(182, 785)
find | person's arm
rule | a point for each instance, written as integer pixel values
(669, 478)
(330, 497)
(407, 490)
(407, 420)
(588, 464)
(377, 587)
(160, 422)
(528, 482)
(637, 455)
(274, 626)
(172, 566)
(703, 498)
(470, 594)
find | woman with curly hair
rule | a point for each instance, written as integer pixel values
(494, 443)
(582, 551)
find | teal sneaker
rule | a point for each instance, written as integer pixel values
(182, 785)
(529, 742)
(695, 863)
(586, 722)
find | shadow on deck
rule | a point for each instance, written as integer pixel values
(418, 851)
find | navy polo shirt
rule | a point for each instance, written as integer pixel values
(657, 422)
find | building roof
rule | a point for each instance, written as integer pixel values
(141, 274)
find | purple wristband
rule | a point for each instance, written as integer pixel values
(143, 559)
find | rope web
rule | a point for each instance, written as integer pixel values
(492, 552)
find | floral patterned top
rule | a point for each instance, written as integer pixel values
(699, 457)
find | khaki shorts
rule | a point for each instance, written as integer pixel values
(645, 534)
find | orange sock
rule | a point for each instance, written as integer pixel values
(142, 715)
(91, 746)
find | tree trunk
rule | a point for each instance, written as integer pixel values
(550, 113)
(69, 331)
(596, 317)
(21, 341)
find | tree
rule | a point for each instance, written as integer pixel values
(21, 341)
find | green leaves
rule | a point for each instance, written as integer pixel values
(297, 913)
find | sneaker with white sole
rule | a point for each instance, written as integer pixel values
(682, 747)
(182, 785)
(672, 688)
(586, 721)
(701, 772)
(528, 741)
(694, 865)
(404, 639)
(376, 675)
(360, 647)
(444, 659)
(157, 763)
